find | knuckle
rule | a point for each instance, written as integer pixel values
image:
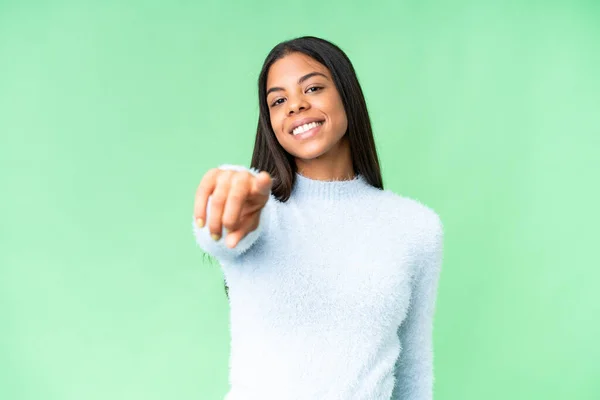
(224, 177)
(240, 177)
(203, 187)
(209, 176)
(236, 197)
(211, 173)
(218, 200)
(229, 222)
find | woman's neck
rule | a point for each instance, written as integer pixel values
(328, 167)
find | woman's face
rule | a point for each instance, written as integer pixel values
(305, 108)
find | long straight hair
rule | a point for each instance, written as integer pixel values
(270, 156)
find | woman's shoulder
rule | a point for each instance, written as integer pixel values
(411, 210)
(416, 223)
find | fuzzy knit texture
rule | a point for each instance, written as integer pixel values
(332, 297)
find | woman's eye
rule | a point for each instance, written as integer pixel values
(276, 102)
(316, 88)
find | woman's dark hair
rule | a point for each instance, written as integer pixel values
(270, 156)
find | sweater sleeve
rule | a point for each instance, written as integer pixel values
(414, 368)
(218, 249)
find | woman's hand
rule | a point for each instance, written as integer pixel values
(237, 198)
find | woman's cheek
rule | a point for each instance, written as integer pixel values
(274, 125)
(276, 122)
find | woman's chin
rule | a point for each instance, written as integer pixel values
(308, 156)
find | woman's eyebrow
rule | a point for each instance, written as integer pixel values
(302, 79)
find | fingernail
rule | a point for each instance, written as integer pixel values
(215, 236)
(200, 222)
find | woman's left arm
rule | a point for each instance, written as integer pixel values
(414, 368)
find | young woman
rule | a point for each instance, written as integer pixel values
(332, 279)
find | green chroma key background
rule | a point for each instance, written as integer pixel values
(111, 112)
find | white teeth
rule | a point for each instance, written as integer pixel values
(306, 127)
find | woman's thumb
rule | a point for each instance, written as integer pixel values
(263, 183)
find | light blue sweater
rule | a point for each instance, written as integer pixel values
(332, 297)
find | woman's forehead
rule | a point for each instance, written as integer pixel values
(293, 66)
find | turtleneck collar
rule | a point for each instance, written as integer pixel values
(307, 188)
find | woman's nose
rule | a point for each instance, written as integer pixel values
(296, 105)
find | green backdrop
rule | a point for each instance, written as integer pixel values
(110, 113)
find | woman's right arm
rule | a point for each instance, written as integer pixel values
(231, 207)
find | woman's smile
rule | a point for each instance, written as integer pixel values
(306, 127)
(307, 130)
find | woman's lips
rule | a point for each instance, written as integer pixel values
(309, 133)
